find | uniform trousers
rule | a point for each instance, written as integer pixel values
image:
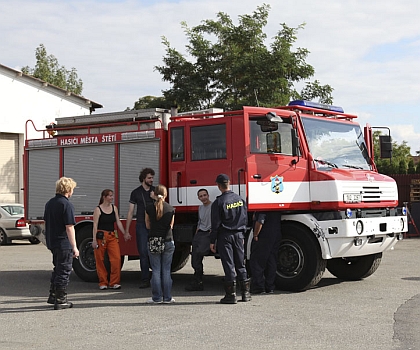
(230, 246)
(200, 248)
(110, 245)
(62, 261)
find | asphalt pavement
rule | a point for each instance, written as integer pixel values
(380, 312)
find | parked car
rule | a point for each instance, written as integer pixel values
(13, 224)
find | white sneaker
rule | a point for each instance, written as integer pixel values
(151, 301)
(103, 287)
(169, 301)
(116, 286)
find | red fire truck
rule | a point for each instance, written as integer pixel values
(309, 162)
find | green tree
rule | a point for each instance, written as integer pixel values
(411, 167)
(400, 157)
(48, 69)
(231, 66)
(152, 102)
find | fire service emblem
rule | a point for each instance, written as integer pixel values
(276, 184)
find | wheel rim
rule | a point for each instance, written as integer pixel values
(86, 255)
(290, 260)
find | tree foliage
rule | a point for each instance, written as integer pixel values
(48, 69)
(231, 66)
(399, 163)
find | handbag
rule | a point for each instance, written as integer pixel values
(156, 245)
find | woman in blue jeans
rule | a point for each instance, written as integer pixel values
(160, 220)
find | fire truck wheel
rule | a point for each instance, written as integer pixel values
(85, 266)
(180, 257)
(300, 265)
(355, 268)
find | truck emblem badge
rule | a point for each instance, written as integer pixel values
(277, 184)
(370, 178)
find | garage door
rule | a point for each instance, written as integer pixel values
(9, 167)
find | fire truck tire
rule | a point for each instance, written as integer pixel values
(85, 266)
(355, 268)
(180, 257)
(300, 265)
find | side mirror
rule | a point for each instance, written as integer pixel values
(385, 143)
(295, 142)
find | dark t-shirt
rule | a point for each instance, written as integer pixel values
(228, 214)
(140, 197)
(161, 227)
(58, 213)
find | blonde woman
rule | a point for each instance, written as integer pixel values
(105, 239)
(160, 221)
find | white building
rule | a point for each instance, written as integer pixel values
(23, 98)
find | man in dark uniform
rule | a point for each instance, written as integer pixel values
(61, 240)
(228, 225)
(264, 251)
(142, 197)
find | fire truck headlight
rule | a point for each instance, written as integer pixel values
(349, 213)
(359, 227)
(402, 225)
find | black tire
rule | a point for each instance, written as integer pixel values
(34, 240)
(355, 268)
(85, 266)
(3, 237)
(300, 265)
(180, 257)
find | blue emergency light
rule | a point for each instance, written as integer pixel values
(316, 105)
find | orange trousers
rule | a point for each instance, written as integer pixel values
(110, 245)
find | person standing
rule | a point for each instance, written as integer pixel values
(160, 221)
(141, 197)
(228, 224)
(61, 240)
(201, 241)
(264, 251)
(105, 239)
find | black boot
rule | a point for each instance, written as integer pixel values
(230, 290)
(245, 285)
(51, 297)
(196, 284)
(61, 300)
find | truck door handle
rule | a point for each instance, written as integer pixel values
(193, 182)
(257, 176)
(178, 180)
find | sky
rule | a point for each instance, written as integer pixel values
(367, 50)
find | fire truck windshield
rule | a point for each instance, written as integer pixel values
(334, 142)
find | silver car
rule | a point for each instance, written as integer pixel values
(13, 224)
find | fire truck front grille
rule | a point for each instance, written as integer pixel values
(371, 194)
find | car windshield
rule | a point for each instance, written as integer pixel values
(13, 209)
(336, 144)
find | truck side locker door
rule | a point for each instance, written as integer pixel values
(176, 166)
(209, 154)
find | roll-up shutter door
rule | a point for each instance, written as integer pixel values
(43, 172)
(92, 167)
(9, 165)
(133, 158)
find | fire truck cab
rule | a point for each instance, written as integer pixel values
(310, 163)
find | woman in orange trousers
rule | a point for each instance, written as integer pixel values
(105, 239)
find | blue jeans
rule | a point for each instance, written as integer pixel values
(142, 238)
(161, 273)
